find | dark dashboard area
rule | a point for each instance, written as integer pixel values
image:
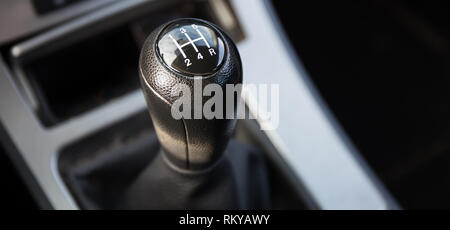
(383, 68)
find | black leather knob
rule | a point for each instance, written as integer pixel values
(181, 52)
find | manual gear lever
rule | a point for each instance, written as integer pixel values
(178, 53)
(196, 168)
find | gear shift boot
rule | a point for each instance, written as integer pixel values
(236, 182)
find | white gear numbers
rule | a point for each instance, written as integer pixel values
(187, 61)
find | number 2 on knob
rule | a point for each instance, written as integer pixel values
(188, 62)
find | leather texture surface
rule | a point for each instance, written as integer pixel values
(188, 143)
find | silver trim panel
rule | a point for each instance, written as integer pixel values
(307, 137)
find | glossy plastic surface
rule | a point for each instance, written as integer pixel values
(191, 47)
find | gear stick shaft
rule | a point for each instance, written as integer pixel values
(182, 52)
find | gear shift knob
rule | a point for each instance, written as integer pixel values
(186, 51)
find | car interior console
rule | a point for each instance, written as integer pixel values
(87, 91)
